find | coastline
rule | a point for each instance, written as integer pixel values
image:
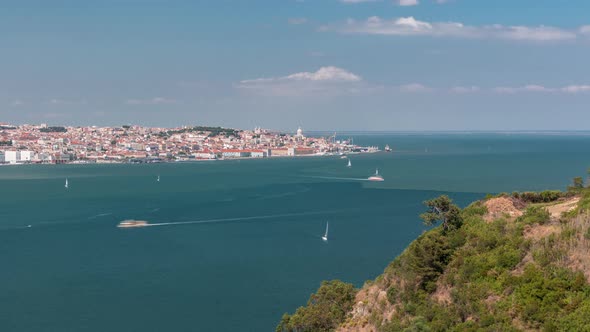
(195, 160)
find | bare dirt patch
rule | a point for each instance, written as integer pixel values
(557, 210)
(500, 207)
(538, 232)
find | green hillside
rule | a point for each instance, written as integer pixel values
(514, 262)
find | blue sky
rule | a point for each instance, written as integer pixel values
(319, 64)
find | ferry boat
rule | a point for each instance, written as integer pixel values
(132, 223)
(376, 176)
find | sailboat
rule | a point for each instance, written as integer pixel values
(376, 176)
(349, 164)
(66, 185)
(158, 179)
(325, 237)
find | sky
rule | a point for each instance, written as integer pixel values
(387, 65)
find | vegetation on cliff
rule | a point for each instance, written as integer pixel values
(524, 269)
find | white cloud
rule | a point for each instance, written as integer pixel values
(576, 88)
(56, 101)
(465, 89)
(153, 101)
(326, 74)
(326, 80)
(408, 2)
(573, 89)
(297, 20)
(414, 87)
(409, 26)
(330, 73)
(526, 88)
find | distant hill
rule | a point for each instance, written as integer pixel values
(518, 262)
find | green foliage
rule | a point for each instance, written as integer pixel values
(427, 258)
(577, 185)
(490, 277)
(392, 294)
(535, 215)
(476, 209)
(442, 209)
(213, 131)
(53, 130)
(546, 196)
(324, 311)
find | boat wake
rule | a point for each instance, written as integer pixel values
(337, 178)
(223, 220)
(100, 215)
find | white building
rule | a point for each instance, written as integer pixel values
(259, 153)
(299, 133)
(12, 157)
(26, 156)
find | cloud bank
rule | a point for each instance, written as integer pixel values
(409, 26)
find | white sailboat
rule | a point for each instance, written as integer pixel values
(66, 185)
(349, 164)
(325, 237)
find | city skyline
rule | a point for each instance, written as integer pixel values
(324, 65)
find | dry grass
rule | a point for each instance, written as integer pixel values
(538, 232)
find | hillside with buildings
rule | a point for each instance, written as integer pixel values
(42, 144)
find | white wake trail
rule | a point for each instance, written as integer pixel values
(210, 221)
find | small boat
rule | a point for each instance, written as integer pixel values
(132, 223)
(29, 226)
(349, 164)
(376, 177)
(66, 185)
(387, 148)
(325, 237)
(343, 157)
(158, 179)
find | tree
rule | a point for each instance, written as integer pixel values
(325, 309)
(442, 209)
(577, 184)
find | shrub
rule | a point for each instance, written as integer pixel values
(325, 309)
(535, 215)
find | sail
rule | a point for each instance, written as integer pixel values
(326, 235)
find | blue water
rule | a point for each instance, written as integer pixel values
(252, 249)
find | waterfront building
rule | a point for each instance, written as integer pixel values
(12, 157)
